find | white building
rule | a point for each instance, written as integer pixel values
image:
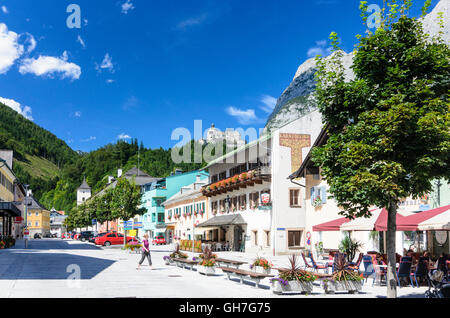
(84, 192)
(229, 137)
(184, 211)
(262, 167)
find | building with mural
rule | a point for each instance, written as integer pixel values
(255, 207)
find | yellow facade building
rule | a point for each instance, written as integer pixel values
(8, 210)
(38, 218)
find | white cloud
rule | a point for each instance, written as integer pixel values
(85, 21)
(123, 137)
(25, 111)
(10, 49)
(31, 42)
(77, 114)
(244, 117)
(183, 25)
(49, 65)
(320, 49)
(269, 103)
(5, 9)
(127, 6)
(89, 139)
(80, 40)
(110, 81)
(106, 64)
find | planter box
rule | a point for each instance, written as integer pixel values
(206, 270)
(333, 286)
(261, 270)
(293, 287)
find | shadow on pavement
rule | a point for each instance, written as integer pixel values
(56, 244)
(23, 265)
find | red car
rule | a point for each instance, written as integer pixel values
(112, 239)
(159, 240)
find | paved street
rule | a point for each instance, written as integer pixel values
(45, 270)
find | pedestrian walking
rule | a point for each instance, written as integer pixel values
(145, 252)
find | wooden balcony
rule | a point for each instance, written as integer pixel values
(242, 180)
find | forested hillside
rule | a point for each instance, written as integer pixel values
(54, 171)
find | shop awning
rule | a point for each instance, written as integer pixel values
(233, 219)
(435, 219)
(10, 209)
(334, 225)
(377, 222)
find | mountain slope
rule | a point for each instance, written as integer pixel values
(297, 99)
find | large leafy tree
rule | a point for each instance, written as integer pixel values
(389, 127)
(125, 201)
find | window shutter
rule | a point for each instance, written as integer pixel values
(323, 194)
(312, 194)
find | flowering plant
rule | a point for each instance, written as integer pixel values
(2, 245)
(235, 179)
(177, 253)
(208, 259)
(243, 176)
(262, 262)
(167, 258)
(317, 202)
(208, 263)
(213, 187)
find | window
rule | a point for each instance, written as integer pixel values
(319, 193)
(214, 207)
(37, 213)
(153, 217)
(255, 238)
(254, 200)
(161, 217)
(222, 175)
(294, 197)
(36, 223)
(222, 206)
(267, 238)
(243, 202)
(234, 204)
(214, 178)
(294, 238)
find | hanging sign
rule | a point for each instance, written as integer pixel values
(265, 198)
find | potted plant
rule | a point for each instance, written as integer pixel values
(177, 253)
(133, 246)
(207, 263)
(319, 249)
(235, 179)
(243, 176)
(2, 245)
(317, 202)
(293, 279)
(261, 265)
(343, 279)
(350, 247)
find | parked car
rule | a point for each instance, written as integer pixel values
(92, 239)
(159, 240)
(112, 239)
(47, 235)
(86, 235)
(37, 236)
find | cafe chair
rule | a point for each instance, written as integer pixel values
(316, 266)
(355, 266)
(404, 270)
(369, 270)
(307, 265)
(421, 270)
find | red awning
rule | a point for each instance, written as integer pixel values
(334, 225)
(381, 223)
(411, 222)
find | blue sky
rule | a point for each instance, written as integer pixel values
(140, 69)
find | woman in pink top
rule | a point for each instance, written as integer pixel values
(145, 252)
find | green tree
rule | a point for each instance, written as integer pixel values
(125, 201)
(389, 127)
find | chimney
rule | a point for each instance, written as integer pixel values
(119, 173)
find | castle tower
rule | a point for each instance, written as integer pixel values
(83, 192)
